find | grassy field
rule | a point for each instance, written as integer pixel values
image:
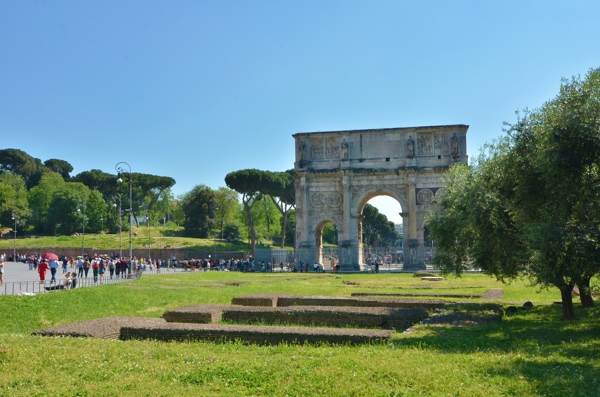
(530, 353)
(154, 237)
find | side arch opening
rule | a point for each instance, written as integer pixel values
(327, 241)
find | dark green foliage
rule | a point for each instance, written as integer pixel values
(531, 204)
(199, 208)
(20, 163)
(63, 214)
(99, 180)
(248, 183)
(61, 167)
(13, 201)
(231, 230)
(253, 184)
(377, 230)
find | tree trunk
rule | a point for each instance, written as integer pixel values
(568, 311)
(283, 209)
(585, 293)
(250, 228)
(284, 230)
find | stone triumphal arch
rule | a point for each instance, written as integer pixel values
(337, 172)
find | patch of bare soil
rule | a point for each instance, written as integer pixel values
(463, 315)
(135, 287)
(493, 294)
(172, 287)
(236, 283)
(437, 286)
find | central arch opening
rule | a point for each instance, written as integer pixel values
(381, 232)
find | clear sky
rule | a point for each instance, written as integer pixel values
(196, 89)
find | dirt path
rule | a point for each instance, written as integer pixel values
(493, 294)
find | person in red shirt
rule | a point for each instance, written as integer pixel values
(42, 269)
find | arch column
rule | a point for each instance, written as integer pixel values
(304, 239)
(349, 246)
(413, 247)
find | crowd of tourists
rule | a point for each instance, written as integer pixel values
(250, 265)
(98, 267)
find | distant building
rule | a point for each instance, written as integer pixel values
(399, 229)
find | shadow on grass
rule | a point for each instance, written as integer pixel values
(538, 329)
(549, 377)
(556, 357)
(173, 233)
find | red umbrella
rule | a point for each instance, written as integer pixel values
(49, 256)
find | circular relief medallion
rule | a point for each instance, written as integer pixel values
(425, 196)
(334, 200)
(440, 192)
(317, 200)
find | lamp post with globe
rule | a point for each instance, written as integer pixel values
(120, 170)
(120, 226)
(14, 217)
(80, 207)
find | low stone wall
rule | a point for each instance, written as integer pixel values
(361, 317)
(252, 334)
(202, 314)
(255, 300)
(289, 300)
(108, 327)
(416, 294)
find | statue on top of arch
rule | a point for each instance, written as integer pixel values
(454, 145)
(410, 147)
(344, 147)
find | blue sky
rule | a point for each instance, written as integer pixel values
(197, 89)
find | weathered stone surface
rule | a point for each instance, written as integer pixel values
(108, 327)
(252, 334)
(416, 294)
(338, 172)
(329, 316)
(291, 300)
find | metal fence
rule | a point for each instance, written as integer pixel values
(37, 287)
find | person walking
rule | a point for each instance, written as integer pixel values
(1, 271)
(111, 268)
(80, 267)
(102, 270)
(65, 264)
(95, 269)
(53, 269)
(86, 266)
(42, 268)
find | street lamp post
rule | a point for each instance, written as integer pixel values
(215, 242)
(148, 224)
(120, 227)
(15, 231)
(120, 169)
(79, 205)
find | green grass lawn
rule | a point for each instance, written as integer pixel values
(154, 237)
(530, 353)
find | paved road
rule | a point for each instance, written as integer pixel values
(16, 271)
